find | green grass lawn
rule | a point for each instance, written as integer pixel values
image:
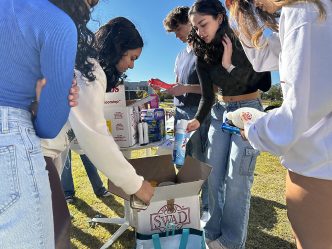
(268, 225)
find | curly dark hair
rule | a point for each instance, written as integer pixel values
(212, 52)
(113, 40)
(176, 17)
(80, 12)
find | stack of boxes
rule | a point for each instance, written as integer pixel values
(177, 203)
(123, 118)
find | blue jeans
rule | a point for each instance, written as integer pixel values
(26, 217)
(91, 170)
(233, 161)
(196, 147)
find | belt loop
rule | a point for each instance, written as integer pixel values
(4, 120)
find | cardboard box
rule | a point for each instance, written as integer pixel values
(122, 118)
(122, 122)
(116, 97)
(178, 203)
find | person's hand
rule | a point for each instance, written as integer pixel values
(246, 120)
(73, 94)
(243, 135)
(145, 193)
(193, 125)
(39, 87)
(228, 51)
(156, 88)
(177, 90)
(34, 104)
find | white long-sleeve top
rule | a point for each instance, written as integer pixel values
(89, 125)
(300, 131)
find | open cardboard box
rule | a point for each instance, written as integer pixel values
(178, 204)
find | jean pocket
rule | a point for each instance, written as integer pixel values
(31, 140)
(9, 184)
(248, 161)
(217, 112)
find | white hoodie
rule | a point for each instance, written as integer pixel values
(89, 125)
(300, 131)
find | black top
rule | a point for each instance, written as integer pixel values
(241, 80)
(185, 70)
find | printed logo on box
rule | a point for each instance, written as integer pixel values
(118, 115)
(120, 138)
(178, 215)
(107, 102)
(115, 90)
(119, 127)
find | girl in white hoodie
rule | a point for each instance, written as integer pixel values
(300, 131)
(118, 44)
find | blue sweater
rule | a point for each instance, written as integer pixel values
(37, 40)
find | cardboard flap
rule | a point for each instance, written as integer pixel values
(179, 190)
(193, 170)
(158, 169)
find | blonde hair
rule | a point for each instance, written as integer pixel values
(251, 22)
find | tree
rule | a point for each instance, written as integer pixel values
(141, 94)
(274, 94)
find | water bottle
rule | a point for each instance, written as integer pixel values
(180, 141)
(140, 134)
(145, 133)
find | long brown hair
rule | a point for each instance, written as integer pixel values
(251, 21)
(212, 52)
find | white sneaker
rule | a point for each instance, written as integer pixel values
(205, 216)
(106, 193)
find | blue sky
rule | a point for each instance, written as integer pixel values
(160, 48)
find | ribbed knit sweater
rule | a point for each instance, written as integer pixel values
(37, 40)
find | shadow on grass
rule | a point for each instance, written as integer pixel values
(85, 208)
(92, 242)
(113, 204)
(110, 202)
(263, 212)
(85, 238)
(263, 216)
(263, 240)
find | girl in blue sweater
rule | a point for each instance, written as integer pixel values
(38, 40)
